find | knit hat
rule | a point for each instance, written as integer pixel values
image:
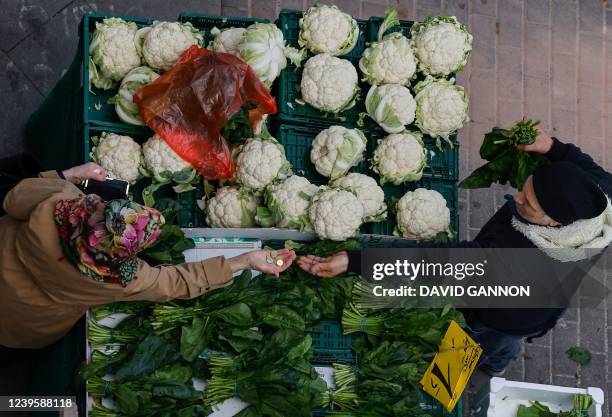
(567, 193)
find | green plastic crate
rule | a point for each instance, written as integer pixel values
(190, 215)
(96, 109)
(330, 345)
(289, 80)
(205, 22)
(448, 189)
(374, 23)
(442, 163)
(297, 141)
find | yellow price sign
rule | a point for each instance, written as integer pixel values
(451, 368)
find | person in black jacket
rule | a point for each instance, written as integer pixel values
(563, 199)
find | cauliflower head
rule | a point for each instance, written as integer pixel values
(329, 83)
(163, 43)
(260, 162)
(231, 207)
(442, 107)
(399, 158)
(336, 149)
(226, 40)
(124, 105)
(390, 61)
(287, 204)
(422, 214)
(327, 29)
(119, 155)
(442, 45)
(163, 164)
(391, 106)
(370, 194)
(112, 52)
(263, 47)
(335, 214)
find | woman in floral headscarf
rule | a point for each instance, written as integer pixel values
(62, 252)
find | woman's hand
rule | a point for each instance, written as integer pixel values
(268, 262)
(542, 143)
(90, 171)
(325, 267)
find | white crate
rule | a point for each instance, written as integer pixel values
(504, 398)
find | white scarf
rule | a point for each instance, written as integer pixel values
(574, 242)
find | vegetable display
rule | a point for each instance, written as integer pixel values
(581, 405)
(261, 161)
(389, 60)
(113, 52)
(327, 29)
(442, 45)
(442, 108)
(286, 204)
(371, 196)
(226, 40)
(506, 164)
(163, 43)
(335, 214)
(329, 83)
(391, 106)
(399, 158)
(336, 149)
(422, 214)
(231, 207)
(124, 106)
(119, 155)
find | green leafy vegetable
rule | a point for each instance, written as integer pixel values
(579, 355)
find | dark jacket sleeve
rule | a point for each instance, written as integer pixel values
(571, 153)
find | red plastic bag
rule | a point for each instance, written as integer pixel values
(189, 105)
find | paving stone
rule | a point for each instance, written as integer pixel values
(54, 6)
(457, 8)
(564, 336)
(463, 225)
(291, 4)
(564, 26)
(483, 7)
(591, 16)
(594, 147)
(594, 374)
(19, 19)
(564, 81)
(592, 330)
(481, 207)
(235, 8)
(369, 8)
(516, 370)
(266, 9)
(351, 7)
(563, 124)
(45, 55)
(565, 380)
(509, 111)
(158, 9)
(405, 9)
(536, 100)
(537, 45)
(590, 114)
(482, 99)
(509, 73)
(510, 26)
(429, 4)
(482, 29)
(538, 11)
(465, 149)
(537, 364)
(591, 63)
(22, 98)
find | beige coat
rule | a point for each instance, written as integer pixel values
(42, 295)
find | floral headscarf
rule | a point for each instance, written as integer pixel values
(102, 238)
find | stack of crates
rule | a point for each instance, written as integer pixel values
(297, 124)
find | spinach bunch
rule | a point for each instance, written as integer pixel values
(582, 403)
(506, 164)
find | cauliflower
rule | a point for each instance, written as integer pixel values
(163, 43)
(390, 60)
(260, 162)
(329, 83)
(442, 107)
(442, 45)
(112, 52)
(287, 204)
(400, 157)
(366, 189)
(336, 149)
(124, 106)
(391, 106)
(231, 207)
(262, 46)
(165, 166)
(335, 214)
(119, 155)
(422, 214)
(327, 29)
(226, 40)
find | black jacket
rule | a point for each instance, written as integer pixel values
(499, 233)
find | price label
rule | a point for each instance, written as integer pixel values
(451, 368)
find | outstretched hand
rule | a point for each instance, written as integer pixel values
(271, 262)
(324, 267)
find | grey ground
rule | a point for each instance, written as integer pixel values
(547, 59)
